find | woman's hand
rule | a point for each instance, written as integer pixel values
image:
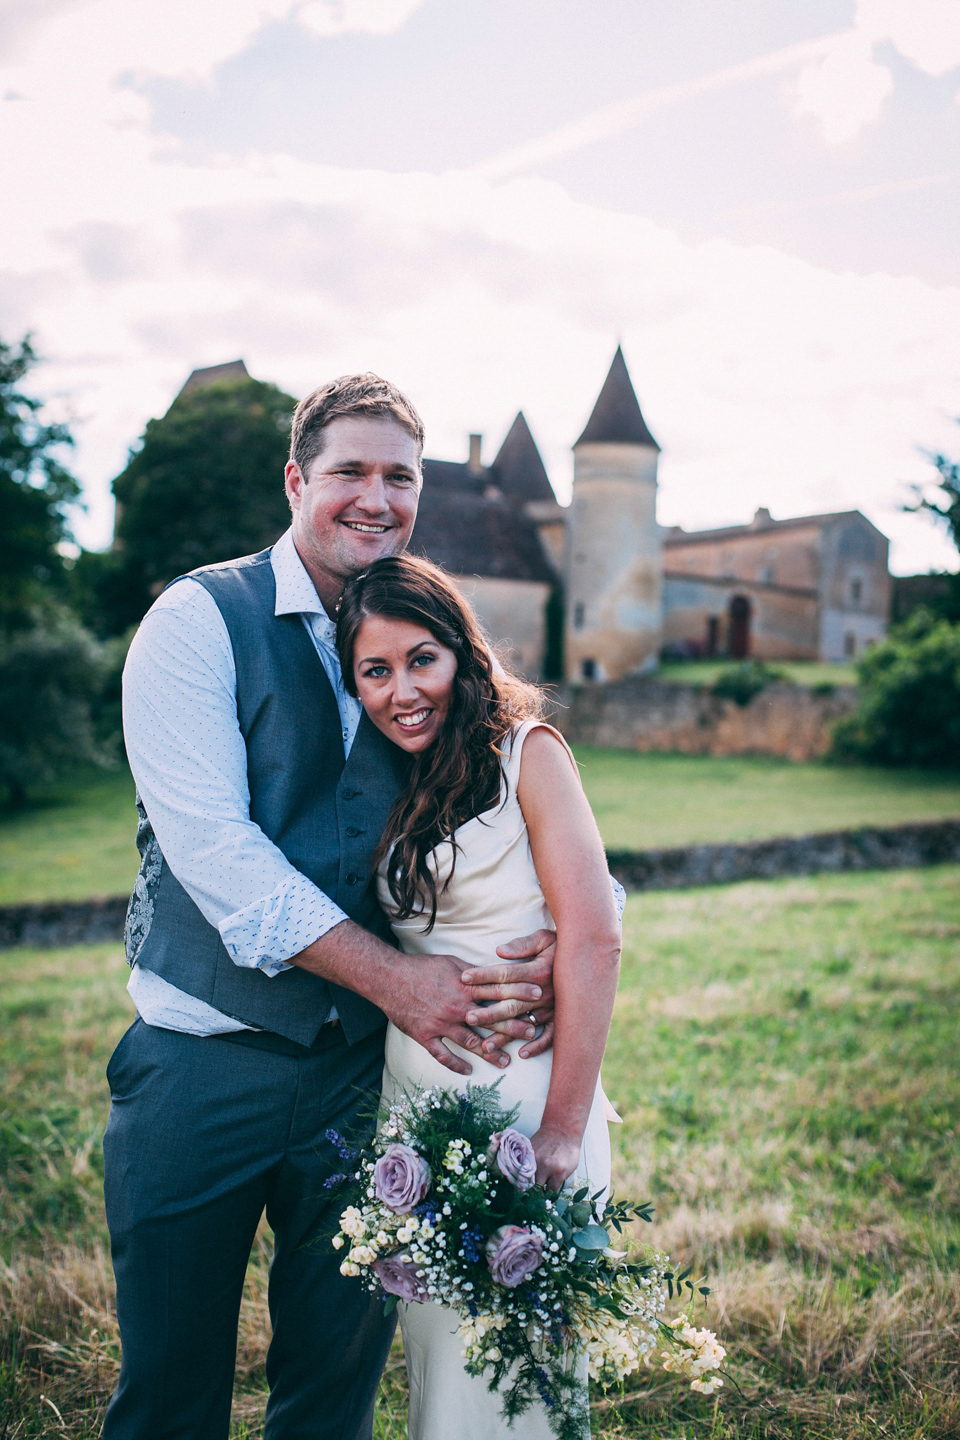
(558, 1154)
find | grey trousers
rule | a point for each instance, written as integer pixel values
(204, 1134)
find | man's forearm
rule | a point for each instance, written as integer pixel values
(357, 960)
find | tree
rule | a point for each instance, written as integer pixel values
(944, 506)
(35, 489)
(50, 680)
(909, 707)
(205, 485)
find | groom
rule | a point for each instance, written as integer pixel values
(262, 967)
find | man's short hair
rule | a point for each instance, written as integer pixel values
(366, 394)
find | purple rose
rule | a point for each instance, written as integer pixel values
(399, 1277)
(515, 1158)
(513, 1253)
(401, 1178)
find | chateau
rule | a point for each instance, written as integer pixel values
(603, 585)
(598, 590)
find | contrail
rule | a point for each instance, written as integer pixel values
(612, 119)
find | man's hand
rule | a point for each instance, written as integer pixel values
(502, 983)
(428, 1002)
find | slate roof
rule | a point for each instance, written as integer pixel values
(616, 417)
(520, 472)
(473, 535)
(213, 374)
(466, 524)
(678, 536)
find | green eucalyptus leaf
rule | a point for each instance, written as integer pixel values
(591, 1237)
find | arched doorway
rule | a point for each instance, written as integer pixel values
(738, 630)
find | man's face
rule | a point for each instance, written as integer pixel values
(357, 502)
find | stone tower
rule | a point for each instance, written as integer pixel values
(613, 620)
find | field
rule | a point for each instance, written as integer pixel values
(801, 672)
(644, 801)
(77, 839)
(784, 1057)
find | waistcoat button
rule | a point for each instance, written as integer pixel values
(353, 832)
(350, 794)
(352, 879)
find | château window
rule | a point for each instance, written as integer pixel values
(579, 615)
(850, 645)
(589, 669)
(856, 591)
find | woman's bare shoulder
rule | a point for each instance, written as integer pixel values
(546, 757)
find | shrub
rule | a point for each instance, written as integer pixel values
(741, 682)
(909, 707)
(50, 684)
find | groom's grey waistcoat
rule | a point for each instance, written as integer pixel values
(325, 814)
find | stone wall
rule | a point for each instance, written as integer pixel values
(649, 714)
(63, 922)
(872, 847)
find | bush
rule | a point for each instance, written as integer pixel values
(909, 708)
(741, 682)
(51, 682)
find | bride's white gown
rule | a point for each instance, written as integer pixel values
(494, 896)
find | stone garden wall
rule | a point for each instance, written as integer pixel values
(935, 842)
(791, 721)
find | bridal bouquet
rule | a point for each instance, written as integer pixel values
(448, 1212)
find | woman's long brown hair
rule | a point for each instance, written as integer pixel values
(459, 776)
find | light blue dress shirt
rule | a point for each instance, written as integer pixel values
(189, 761)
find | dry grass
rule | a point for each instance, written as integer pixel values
(784, 1057)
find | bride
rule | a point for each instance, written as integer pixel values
(493, 838)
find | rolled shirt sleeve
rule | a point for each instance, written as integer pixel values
(189, 761)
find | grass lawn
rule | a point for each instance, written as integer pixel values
(77, 839)
(784, 1057)
(801, 672)
(645, 801)
(71, 840)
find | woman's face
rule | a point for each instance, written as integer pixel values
(404, 680)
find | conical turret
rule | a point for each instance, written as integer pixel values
(613, 624)
(520, 471)
(616, 418)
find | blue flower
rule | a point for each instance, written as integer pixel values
(345, 1151)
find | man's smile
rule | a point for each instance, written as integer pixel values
(364, 528)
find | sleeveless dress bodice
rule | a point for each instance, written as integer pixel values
(493, 896)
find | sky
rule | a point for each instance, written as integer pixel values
(759, 200)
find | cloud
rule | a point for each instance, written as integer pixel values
(926, 32)
(845, 91)
(612, 120)
(376, 17)
(766, 379)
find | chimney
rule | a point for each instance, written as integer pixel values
(761, 519)
(474, 463)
